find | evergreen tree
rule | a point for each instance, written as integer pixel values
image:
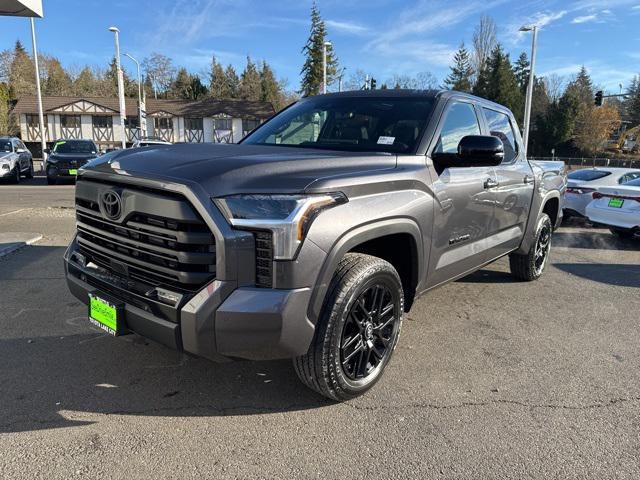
(502, 86)
(233, 82)
(582, 87)
(85, 83)
(250, 88)
(521, 70)
(461, 71)
(312, 70)
(22, 78)
(633, 102)
(218, 86)
(111, 82)
(481, 86)
(269, 87)
(181, 87)
(57, 81)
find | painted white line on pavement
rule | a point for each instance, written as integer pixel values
(12, 212)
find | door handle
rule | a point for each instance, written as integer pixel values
(528, 179)
(490, 183)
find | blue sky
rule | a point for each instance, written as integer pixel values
(382, 37)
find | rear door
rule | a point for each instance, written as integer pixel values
(514, 190)
(464, 200)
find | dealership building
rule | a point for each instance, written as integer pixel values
(98, 119)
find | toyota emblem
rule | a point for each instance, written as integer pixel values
(111, 204)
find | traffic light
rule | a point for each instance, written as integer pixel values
(373, 84)
(598, 99)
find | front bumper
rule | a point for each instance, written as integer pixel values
(219, 322)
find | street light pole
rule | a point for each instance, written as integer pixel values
(527, 105)
(43, 140)
(324, 66)
(120, 86)
(139, 94)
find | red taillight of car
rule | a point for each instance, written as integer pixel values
(597, 195)
(580, 191)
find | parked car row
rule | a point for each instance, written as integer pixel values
(606, 196)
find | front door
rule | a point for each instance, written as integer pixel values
(464, 201)
(514, 190)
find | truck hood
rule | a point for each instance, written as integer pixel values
(226, 169)
(5, 155)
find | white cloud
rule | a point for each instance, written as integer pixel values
(585, 19)
(347, 27)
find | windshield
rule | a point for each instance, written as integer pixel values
(74, 146)
(633, 183)
(588, 175)
(5, 146)
(373, 124)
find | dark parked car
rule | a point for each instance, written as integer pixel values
(312, 237)
(15, 160)
(66, 157)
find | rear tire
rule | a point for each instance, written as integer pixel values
(530, 266)
(30, 172)
(622, 233)
(15, 178)
(357, 331)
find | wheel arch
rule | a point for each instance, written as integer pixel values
(376, 239)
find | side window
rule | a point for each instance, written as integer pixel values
(500, 126)
(460, 121)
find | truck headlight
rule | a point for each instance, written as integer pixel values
(288, 217)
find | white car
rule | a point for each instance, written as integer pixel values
(15, 160)
(618, 208)
(149, 142)
(582, 183)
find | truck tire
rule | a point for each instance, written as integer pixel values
(622, 233)
(357, 331)
(530, 266)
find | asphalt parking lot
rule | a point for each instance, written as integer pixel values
(491, 379)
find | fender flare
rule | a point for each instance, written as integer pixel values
(527, 239)
(354, 237)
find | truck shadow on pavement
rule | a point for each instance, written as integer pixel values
(56, 370)
(65, 381)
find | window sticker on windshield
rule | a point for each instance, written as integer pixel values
(386, 140)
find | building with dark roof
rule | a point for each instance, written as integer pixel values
(96, 118)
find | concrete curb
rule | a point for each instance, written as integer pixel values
(12, 241)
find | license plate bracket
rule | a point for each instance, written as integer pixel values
(616, 202)
(107, 314)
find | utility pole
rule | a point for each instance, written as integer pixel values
(527, 105)
(43, 140)
(123, 114)
(324, 66)
(139, 95)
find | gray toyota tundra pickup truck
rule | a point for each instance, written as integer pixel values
(314, 236)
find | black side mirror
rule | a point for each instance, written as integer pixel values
(473, 151)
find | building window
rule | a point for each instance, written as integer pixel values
(249, 124)
(33, 120)
(70, 121)
(222, 124)
(193, 124)
(163, 123)
(102, 122)
(132, 122)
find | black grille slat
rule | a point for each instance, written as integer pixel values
(264, 259)
(144, 245)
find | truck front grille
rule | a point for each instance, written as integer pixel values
(175, 248)
(264, 259)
